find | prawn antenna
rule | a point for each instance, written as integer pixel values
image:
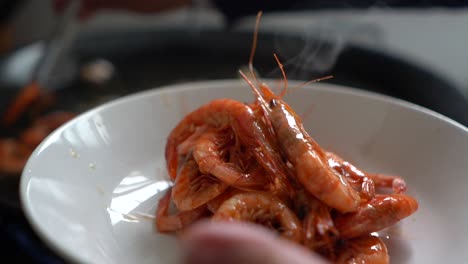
(254, 45)
(314, 81)
(281, 67)
(260, 98)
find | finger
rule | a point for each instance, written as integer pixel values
(235, 243)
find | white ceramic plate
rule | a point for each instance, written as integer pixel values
(91, 187)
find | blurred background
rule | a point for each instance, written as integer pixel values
(84, 53)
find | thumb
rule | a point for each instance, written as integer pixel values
(236, 243)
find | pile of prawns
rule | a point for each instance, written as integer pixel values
(232, 161)
(29, 104)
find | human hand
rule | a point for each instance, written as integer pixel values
(239, 243)
(89, 7)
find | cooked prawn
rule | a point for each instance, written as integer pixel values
(365, 249)
(255, 162)
(383, 211)
(207, 153)
(305, 154)
(357, 176)
(175, 222)
(320, 233)
(193, 189)
(13, 155)
(27, 97)
(214, 204)
(224, 113)
(262, 208)
(15, 152)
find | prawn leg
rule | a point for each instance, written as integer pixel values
(193, 189)
(397, 184)
(176, 222)
(320, 233)
(357, 176)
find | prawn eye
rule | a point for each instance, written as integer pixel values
(273, 103)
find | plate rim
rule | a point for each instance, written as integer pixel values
(72, 256)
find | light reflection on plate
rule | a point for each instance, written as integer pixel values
(133, 191)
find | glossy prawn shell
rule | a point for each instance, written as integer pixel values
(207, 154)
(255, 206)
(220, 114)
(362, 250)
(356, 176)
(311, 167)
(381, 212)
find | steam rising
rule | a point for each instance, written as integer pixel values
(321, 45)
(319, 39)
